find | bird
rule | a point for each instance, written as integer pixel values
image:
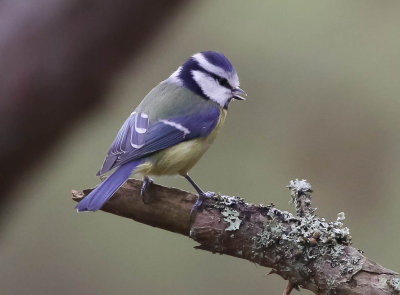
(172, 127)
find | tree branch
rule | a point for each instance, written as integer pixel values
(306, 250)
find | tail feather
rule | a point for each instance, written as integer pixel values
(96, 199)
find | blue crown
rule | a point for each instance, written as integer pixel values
(219, 60)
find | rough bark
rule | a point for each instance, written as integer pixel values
(57, 59)
(304, 249)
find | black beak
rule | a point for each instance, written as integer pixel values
(237, 93)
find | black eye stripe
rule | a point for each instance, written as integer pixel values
(222, 81)
(226, 84)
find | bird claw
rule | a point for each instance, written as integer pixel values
(199, 202)
(147, 181)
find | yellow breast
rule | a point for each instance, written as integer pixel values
(179, 159)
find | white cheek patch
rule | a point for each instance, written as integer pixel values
(211, 88)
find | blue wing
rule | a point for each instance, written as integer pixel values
(138, 138)
(130, 136)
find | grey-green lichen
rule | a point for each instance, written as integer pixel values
(300, 191)
(299, 186)
(226, 201)
(394, 283)
(297, 240)
(232, 217)
(304, 231)
(225, 205)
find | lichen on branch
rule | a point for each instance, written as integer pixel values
(305, 249)
(278, 239)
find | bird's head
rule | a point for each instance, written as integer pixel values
(210, 75)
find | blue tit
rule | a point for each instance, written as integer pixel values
(172, 127)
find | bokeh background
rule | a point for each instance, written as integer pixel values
(323, 87)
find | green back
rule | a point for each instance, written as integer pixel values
(169, 100)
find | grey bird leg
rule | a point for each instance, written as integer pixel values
(202, 195)
(147, 181)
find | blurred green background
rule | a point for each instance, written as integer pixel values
(323, 87)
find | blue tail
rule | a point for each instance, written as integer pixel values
(106, 189)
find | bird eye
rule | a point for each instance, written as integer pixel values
(223, 82)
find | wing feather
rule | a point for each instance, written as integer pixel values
(137, 138)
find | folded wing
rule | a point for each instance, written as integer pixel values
(139, 138)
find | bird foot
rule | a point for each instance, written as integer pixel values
(199, 202)
(147, 181)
